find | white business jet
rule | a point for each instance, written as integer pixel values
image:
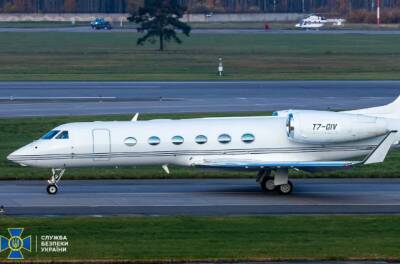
(290, 139)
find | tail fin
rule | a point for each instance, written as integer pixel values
(391, 110)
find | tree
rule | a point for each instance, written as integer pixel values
(134, 5)
(160, 19)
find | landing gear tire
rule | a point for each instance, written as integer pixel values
(267, 184)
(52, 189)
(285, 189)
(54, 180)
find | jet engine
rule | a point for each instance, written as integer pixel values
(319, 127)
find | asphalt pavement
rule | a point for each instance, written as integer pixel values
(201, 197)
(18, 99)
(86, 29)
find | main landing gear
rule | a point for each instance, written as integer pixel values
(52, 187)
(279, 182)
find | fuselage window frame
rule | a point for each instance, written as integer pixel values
(130, 141)
(49, 135)
(224, 138)
(177, 140)
(63, 135)
(248, 138)
(154, 141)
(201, 139)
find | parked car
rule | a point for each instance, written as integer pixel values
(100, 23)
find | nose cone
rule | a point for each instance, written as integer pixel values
(21, 155)
(11, 157)
(14, 155)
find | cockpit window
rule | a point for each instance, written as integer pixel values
(50, 134)
(63, 135)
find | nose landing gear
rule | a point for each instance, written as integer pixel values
(52, 187)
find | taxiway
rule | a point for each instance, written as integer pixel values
(18, 99)
(201, 197)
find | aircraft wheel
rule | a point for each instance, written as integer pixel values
(52, 189)
(267, 184)
(285, 188)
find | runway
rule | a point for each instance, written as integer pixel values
(201, 197)
(18, 99)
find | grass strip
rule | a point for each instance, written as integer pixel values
(217, 238)
(115, 56)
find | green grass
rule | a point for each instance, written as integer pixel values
(115, 56)
(218, 238)
(18, 132)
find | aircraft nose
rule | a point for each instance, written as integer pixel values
(14, 155)
(20, 155)
(11, 157)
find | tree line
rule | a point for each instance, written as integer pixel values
(194, 6)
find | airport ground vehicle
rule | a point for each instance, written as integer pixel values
(100, 23)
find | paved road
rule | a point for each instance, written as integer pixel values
(101, 98)
(201, 197)
(84, 29)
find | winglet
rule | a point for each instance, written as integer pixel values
(382, 149)
(135, 118)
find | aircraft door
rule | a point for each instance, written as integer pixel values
(101, 144)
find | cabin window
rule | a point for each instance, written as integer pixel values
(201, 139)
(224, 138)
(154, 140)
(51, 134)
(63, 135)
(177, 140)
(248, 138)
(130, 141)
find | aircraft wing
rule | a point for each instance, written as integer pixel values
(256, 165)
(378, 154)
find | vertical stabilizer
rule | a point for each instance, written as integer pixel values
(391, 110)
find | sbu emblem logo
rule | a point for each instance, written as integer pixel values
(15, 243)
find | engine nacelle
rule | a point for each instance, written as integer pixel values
(320, 127)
